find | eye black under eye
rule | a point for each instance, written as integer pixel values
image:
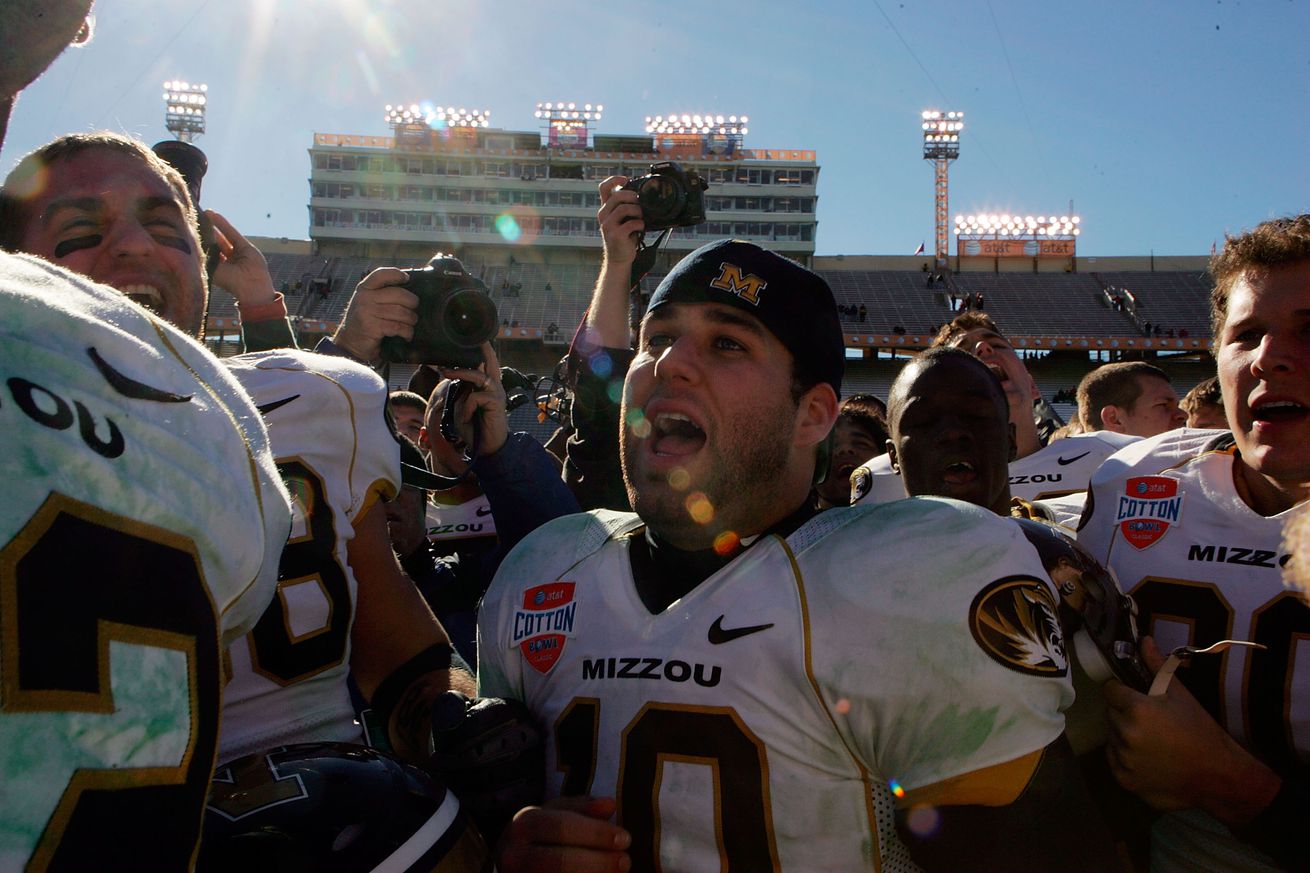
(175, 242)
(66, 247)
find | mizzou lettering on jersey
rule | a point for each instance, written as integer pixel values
(1238, 555)
(747, 286)
(454, 528)
(48, 409)
(1036, 478)
(651, 668)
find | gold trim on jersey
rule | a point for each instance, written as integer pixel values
(658, 776)
(380, 490)
(594, 733)
(997, 785)
(14, 699)
(1190, 622)
(865, 776)
(282, 587)
(236, 426)
(1293, 639)
(661, 758)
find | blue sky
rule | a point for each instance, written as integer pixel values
(1166, 123)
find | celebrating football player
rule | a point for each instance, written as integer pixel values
(108, 208)
(756, 686)
(142, 522)
(1059, 469)
(1191, 522)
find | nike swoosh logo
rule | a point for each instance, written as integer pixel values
(1065, 461)
(719, 635)
(266, 408)
(483, 510)
(131, 388)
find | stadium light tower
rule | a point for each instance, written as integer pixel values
(941, 145)
(184, 109)
(709, 134)
(568, 124)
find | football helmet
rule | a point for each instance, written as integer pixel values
(1099, 618)
(334, 808)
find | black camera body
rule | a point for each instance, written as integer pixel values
(670, 196)
(455, 317)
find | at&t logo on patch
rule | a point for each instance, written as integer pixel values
(1147, 508)
(544, 624)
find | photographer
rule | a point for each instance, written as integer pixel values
(601, 354)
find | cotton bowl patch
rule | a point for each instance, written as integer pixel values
(1147, 508)
(544, 624)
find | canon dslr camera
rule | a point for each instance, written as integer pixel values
(670, 196)
(455, 317)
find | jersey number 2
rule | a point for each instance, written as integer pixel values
(83, 592)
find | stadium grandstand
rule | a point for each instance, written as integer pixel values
(518, 208)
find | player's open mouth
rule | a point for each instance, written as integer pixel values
(146, 295)
(1278, 411)
(959, 473)
(999, 371)
(673, 433)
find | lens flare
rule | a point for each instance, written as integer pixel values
(601, 364)
(843, 707)
(924, 820)
(508, 227)
(699, 507)
(726, 543)
(893, 785)
(679, 479)
(638, 424)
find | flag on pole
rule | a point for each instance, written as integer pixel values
(919, 250)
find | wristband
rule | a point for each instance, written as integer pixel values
(275, 308)
(436, 657)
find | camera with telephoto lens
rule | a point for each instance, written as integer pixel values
(455, 317)
(670, 196)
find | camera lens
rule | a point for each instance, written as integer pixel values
(661, 200)
(469, 318)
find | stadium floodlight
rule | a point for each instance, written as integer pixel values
(568, 123)
(184, 109)
(991, 226)
(941, 145)
(702, 124)
(553, 111)
(400, 114)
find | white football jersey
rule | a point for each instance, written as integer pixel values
(140, 530)
(1165, 516)
(337, 456)
(450, 521)
(770, 718)
(1063, 467)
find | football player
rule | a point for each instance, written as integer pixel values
(1131, 397)
(859, 434)
(108, 208)
(1191, 522)
(1060, 469)
(142, 523)
(756, 686)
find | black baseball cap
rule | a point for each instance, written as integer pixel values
(795, 304)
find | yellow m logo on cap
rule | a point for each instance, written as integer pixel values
(747, 286)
